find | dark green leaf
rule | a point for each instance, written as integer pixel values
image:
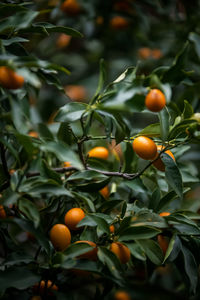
(152, 250)
(30, 210)
(138, 232)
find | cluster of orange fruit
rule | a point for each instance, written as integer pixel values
(145, 53)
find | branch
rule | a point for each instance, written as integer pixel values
(3, 160)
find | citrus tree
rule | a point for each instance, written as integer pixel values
(100, 202)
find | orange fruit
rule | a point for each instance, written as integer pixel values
(99, 152)
(2, 212)
(60, 237)
(119, 23)
(63, 40)
(73, 217)
(105, 192)
(92, 254)
(158, 163)
(33, 134)
(122, 295)
(155, 100)
(9, 79)
(163, 243)
(144, 53)
(144, 147)
(156, 53)
(71, 7)
(12, 171)
(112, 228)
(121, 251)
(44, 286)
(164, 214)
(76, 92)
(67, 164)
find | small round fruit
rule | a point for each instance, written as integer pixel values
(9, 79)
(33, 134)
(119, 23)
(121, 251)
(163, 243)
(145, 147)
(67, 164)
(76, 93)
(99, 152)
(63, 40)
(155, 100)
(158, 164)
(164, 214)
(112, 228)
(92, 254)
(73, 217)
(60, 237)
(2, 212)
(71, 7)
(156, 53)
(122, 295)
(144, 53)
(105, 192)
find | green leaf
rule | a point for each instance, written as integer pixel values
(45, 28)
(164, 123)
(74, 250)
(48, 173)
(138, 232)
(94, 220)
(13, 40)
(63, 152)
(65, 133)
(30, 210)
(88, 180)
(70, 112)
(101, 79)
(152, 250)
(27, 226)
(18, 277)
(191, 268)
(165, 201)
(151, 130)
(109, 259)
(155, 199)
(175, 73)
(195, 38)
(19, 20)
(136, 251)
(188, 110)
(170, 247)
(172, 174)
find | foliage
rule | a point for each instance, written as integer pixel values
(37, 190)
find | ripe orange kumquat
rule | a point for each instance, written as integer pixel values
(158, 164)
(122, 295)
(73, 217)
(71, 7)
(145, 147)
(99, 152)
(44, 286)
(63, 40)
(164, 214)
(105, 192)
(33, 134)
(9, 79)
(76, 92)
(2, 212)
(112, 228)
(119, 23)
(121, 251)
(163, 243)
(60, 237)
(155, 100)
